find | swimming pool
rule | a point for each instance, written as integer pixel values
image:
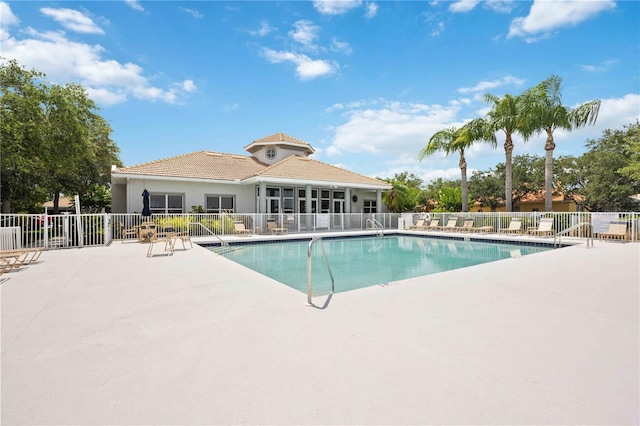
(363, 262)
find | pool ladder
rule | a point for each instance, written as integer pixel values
(557, 236)
(375, 225)
(326, 260)
(224, 246)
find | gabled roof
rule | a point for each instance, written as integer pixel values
(302, 168)
(279, 139)
(239, 168)
(199, 165)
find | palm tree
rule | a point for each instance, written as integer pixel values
(455, 139)
(504, 116)
(542, 110)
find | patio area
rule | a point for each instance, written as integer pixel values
(105, 335)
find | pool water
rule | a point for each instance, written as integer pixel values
(363, 262)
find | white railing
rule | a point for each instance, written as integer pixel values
(70, 230)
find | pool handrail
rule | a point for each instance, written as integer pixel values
(222, 242)
(326, 260)
(557, 235)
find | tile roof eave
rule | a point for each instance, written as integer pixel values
(292, 181)
(175, 178)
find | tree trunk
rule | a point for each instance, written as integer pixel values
(548, 172)
(465, 185)
(508, 181)
(6, 205)
(56, 202)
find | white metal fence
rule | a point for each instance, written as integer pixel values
(70, 230)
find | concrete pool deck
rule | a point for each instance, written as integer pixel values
(106, 335)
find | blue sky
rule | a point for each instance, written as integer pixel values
(365, 83)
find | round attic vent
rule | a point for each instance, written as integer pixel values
(271, 153)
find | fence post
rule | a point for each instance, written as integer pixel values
(107, 228)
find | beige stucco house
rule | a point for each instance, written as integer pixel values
(277, 177)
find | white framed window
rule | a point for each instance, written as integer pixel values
(369, 206)
(166, 203)
(220, 203)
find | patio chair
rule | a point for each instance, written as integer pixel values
(434, 224)
(617, 231)
(482, 228)
(466, 226)
(544, 228)
(183, 236)
(238, 228)
(167, 237)
(450, 226)
(23, 257)
(8, 262)
(515, 226)
(419, 224)
(127, 232)
(272, 226)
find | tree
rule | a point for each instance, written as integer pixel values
(542, 111)
(607, 170)
(53, 140)
(21, 93)
(505, 116)
(405, 194)
(487, 188)
(453, 140)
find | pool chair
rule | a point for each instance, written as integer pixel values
(617, 231)
(482, 228)
(544, 228)
(432, 225)
(419, 224)
(238, 228)
(515, 226)
(23, 257)
(450, 226)
(466, 226)
(485, 228)
(272, 226)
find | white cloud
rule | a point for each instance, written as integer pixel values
(264, 29)
(72, 20)
(8, 18)
(188, 86)
(193, 12)
(134, 4)
(372, 10)
(501, 6)
(483, 86)
(604, 66)
(438, 29)
(547, 16)
(306, 68)
(108, 81)
(463, 6)
(234, 106)
(305, 33)
(614, 114)
(336, 7)
(394, 128)
(339, 46)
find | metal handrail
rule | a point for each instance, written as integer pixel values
(374, 224)
(309, 285)
(377, 226)
(557, 235)
(222, 242)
